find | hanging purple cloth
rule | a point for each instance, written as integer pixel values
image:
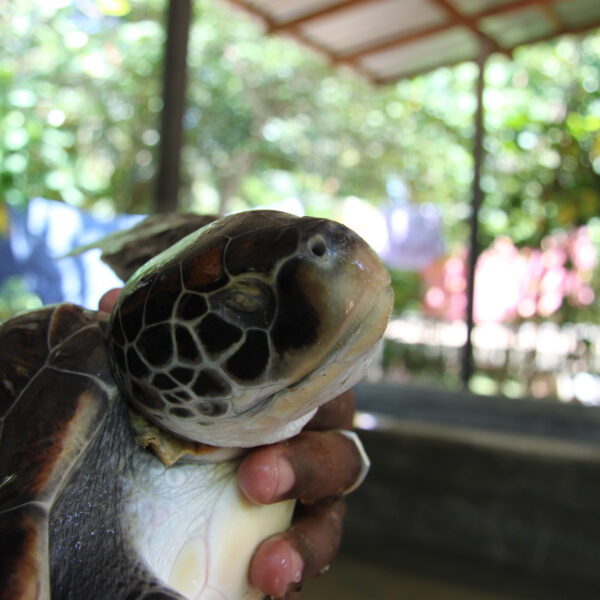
(414, 238)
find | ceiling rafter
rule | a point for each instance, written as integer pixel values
(552, 16)
(459, 18)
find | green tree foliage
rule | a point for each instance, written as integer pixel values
(79, 101)
(80, 86)
(543, 142)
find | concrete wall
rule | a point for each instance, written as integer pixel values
(504, 492)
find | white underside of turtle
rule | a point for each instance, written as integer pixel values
(191, 523)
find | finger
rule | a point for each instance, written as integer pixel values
(109, 299)
(281, 562)
(311, 466)
(335, 414)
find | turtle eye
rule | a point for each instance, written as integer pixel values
(246, 296)
(317, 246)
(246, 302)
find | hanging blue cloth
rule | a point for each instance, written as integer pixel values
(38, 239)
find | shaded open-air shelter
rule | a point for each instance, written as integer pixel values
(384, 41)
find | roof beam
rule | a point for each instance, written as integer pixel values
(552, 16)
(470, 22)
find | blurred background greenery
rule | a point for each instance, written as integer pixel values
(269, 123)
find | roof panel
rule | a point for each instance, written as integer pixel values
(285, 10)
(576, 13)
(360, 26)
(387, 39)
(475, 7)
(514, 28)
(451, 46)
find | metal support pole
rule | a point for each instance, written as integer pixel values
(174, 83)
(467, 354)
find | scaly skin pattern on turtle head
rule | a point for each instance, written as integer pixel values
(222, 338)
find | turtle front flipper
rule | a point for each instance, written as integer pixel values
(49, 411)
(24, 554)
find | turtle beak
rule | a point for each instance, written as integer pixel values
(367, 298)
(352, 300)
(349, 290)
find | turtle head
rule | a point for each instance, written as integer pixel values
(237, 333)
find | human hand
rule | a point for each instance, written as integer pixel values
(315, 467)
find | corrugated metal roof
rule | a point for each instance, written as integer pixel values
(386, 40)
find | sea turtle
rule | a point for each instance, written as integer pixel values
(230, 338)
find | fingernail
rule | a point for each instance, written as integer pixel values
(281, 567)
(285, 477)
(294, 566)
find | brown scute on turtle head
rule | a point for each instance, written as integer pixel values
(183, 374)
(187, 349)
(164, 382)
(191, 306)
(202, 270)
(166, 289)
(135, 365)
(217, 335)
(130, 310)
(155, 344)
(210, 383)
(250, 361)
(251, 253)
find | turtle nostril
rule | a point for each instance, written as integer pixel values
(317, 246)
